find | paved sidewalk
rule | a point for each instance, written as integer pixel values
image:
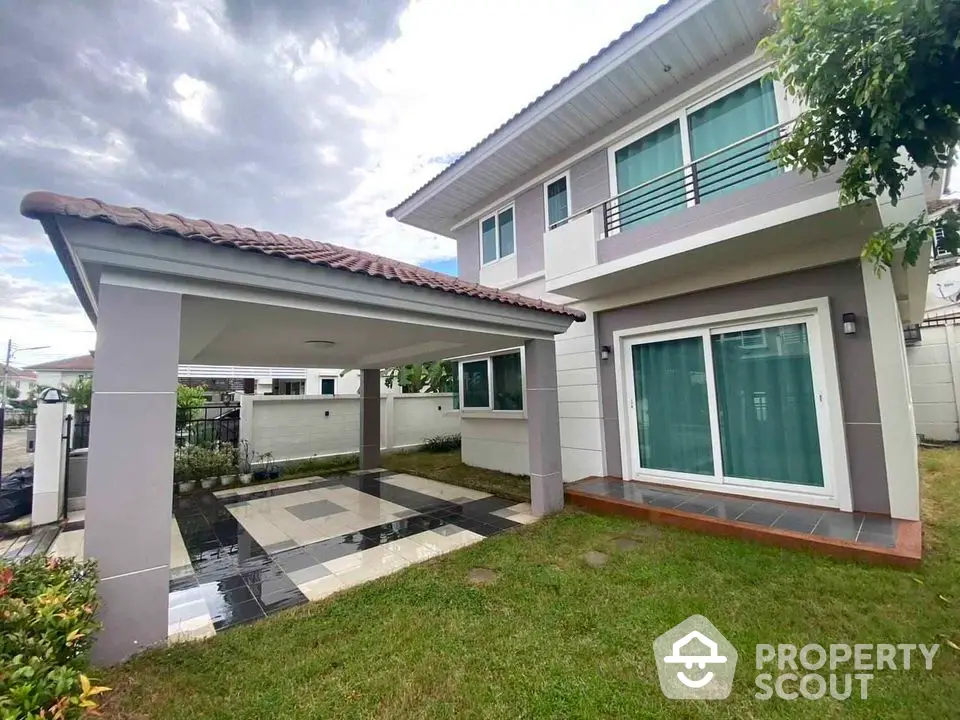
(15, 450)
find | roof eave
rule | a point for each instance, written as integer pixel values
(649, 29)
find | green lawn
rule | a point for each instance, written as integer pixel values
(554, 637)
(446, 467)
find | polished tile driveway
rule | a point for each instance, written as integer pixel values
(249, 552)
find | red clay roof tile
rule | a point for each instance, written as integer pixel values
(40, 204)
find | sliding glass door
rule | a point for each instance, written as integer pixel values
(737, 405)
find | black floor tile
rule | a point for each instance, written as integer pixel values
(237, 614)
(798, 520)
(882, 539)
(763, 514)
(838, 526)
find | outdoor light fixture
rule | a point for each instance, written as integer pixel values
(849, 324)
(604, 352)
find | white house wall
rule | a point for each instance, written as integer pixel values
(935, 383)
(501, 444)
(301, 426)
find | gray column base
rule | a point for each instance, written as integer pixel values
(369, 457)
(134, 611)
(546, 493)
(543, 427)
(369, 419)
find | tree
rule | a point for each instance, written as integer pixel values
(79, 393)
(431, 377)
(10, 392)
(878, 77)
(189, 399)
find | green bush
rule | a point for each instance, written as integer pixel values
(47, 624)
(441, 443)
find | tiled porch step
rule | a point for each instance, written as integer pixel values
(854, 536)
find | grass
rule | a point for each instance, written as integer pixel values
(447, 467)
(554, 637)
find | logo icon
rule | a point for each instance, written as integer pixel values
(695, 661)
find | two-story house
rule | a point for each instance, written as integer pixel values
(735, 340)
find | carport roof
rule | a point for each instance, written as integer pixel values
(39, 205)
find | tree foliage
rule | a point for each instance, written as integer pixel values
(189, 399)
(431, 377)
(79, 393)
(879, 79)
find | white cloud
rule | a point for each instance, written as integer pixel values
(196, 101)
(459, 70)
(42, 314)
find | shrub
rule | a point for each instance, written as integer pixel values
(47, 624)
(441, 443)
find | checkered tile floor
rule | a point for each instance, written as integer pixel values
(243, 554)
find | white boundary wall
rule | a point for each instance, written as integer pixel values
(303, 426)
(934, 365)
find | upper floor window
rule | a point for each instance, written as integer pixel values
(557, 197)
(327, 386)
(737, 115)
(497, 236)
(708, 149)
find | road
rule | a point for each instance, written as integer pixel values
(15, 450)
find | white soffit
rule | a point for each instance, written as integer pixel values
(572, 110)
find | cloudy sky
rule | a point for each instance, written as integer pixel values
(308, 117)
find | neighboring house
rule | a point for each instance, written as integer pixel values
(23, 381)
(67, 371)
(220, 380)
(933, 345)
(735, 341)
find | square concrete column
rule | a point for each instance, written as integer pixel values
(130, 465)
(369, 419)
(543, 427)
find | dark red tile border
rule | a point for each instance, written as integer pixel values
(907, 553)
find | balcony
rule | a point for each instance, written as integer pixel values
(734, 192)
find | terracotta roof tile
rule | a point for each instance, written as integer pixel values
(80, 362)
(40, 204)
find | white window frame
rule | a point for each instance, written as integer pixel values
(836, 491)
(546, 205)
(488, 410)
(680, 115)
(496, 228)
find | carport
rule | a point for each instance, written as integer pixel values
(163, 289)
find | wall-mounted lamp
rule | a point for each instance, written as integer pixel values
(849, 324)
(604, 352)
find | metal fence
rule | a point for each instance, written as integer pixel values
(196, 426)
(208, 425)
(17, 417)
(81, 429)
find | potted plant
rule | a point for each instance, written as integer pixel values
(263, 466)
(226, 462)
(183, 472)
(244, 471)
(208, 467)
(273, 469)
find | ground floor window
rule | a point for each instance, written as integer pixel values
(734, 404)
(494, 383)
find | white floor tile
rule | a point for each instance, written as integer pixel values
(321, 587)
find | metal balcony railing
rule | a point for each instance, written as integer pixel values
(737, 165)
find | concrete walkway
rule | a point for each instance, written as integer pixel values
(15, 450)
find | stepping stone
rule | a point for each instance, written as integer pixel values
(481, 576)
(625, 543)
(595, 559)
(647, 531)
